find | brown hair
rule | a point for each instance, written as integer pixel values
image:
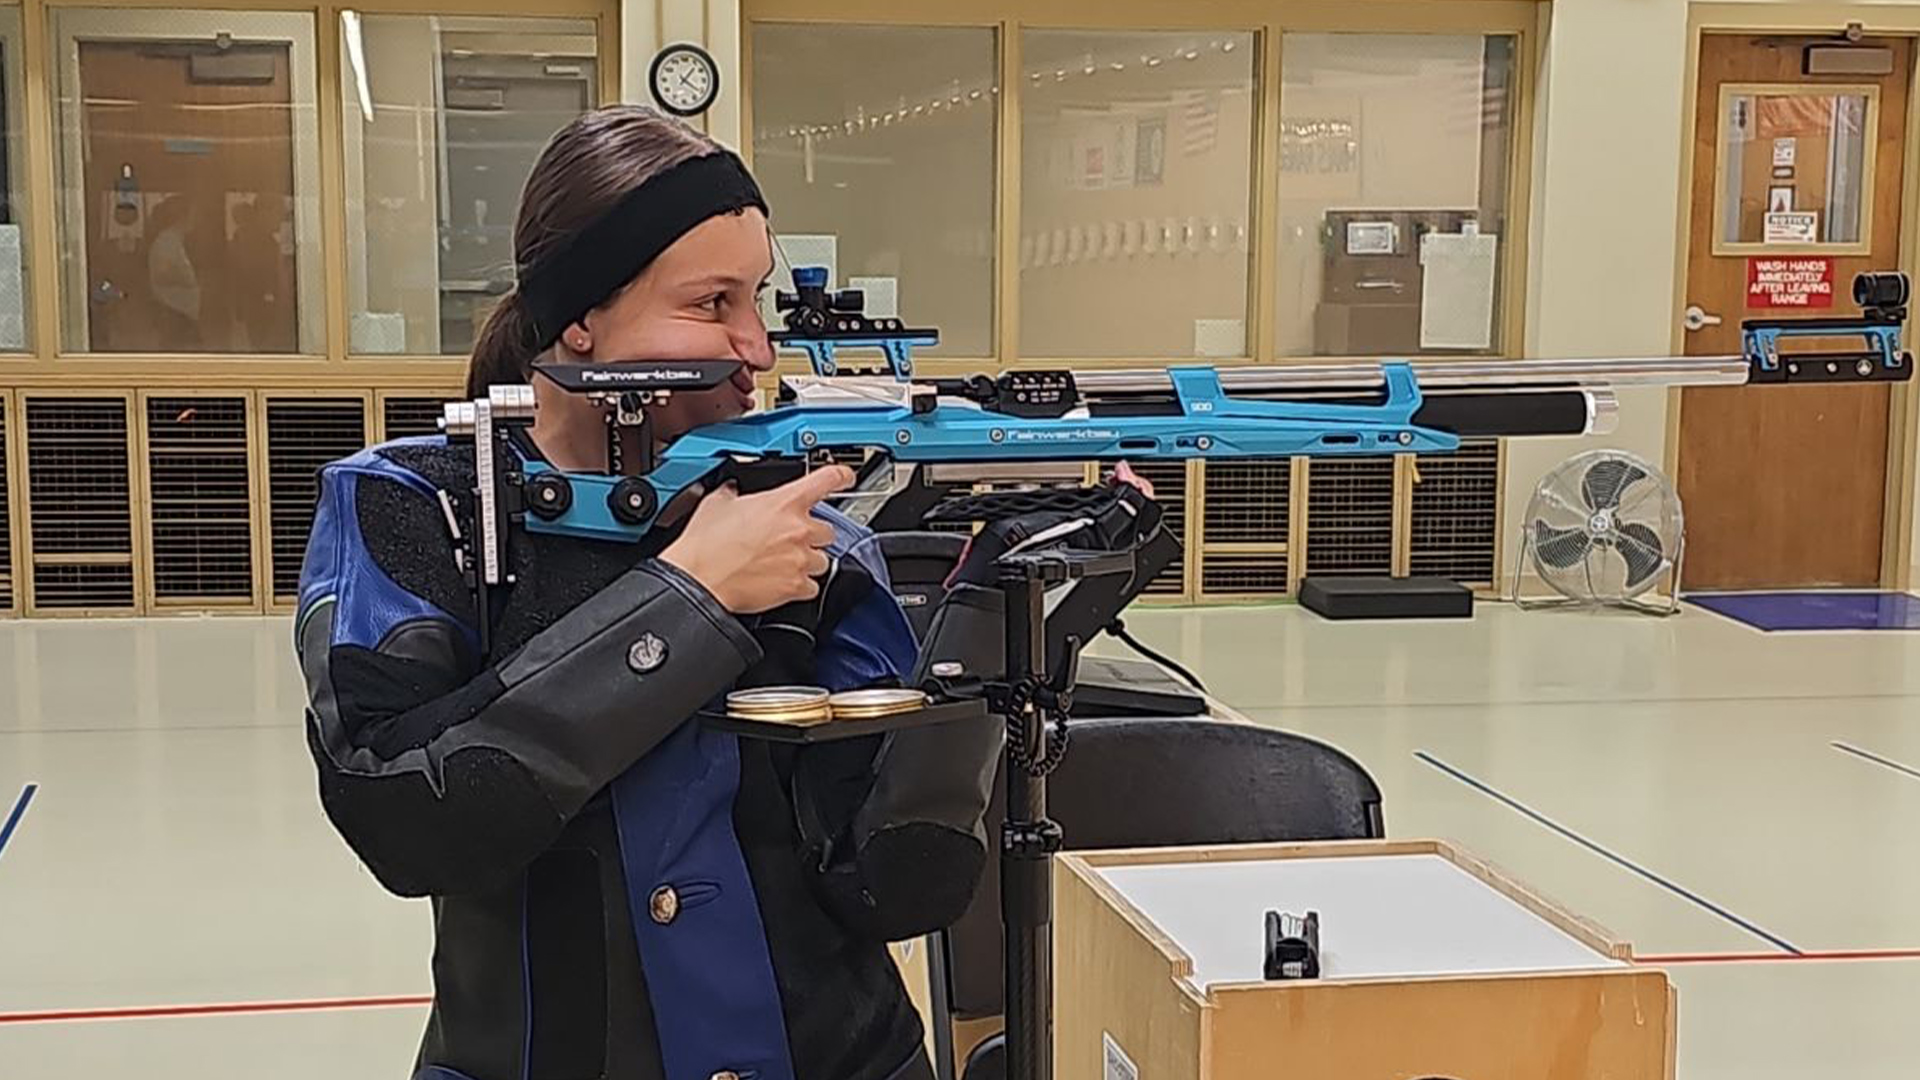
(581, 174)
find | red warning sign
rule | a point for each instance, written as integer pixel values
(1790, 283)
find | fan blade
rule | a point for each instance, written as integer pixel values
(1560, 548)
(1602, 484)
(1641, 547)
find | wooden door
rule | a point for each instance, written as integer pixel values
(1787, 487)
(189, 198)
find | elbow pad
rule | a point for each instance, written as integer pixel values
(912, 854)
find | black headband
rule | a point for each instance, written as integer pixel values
(582, 274)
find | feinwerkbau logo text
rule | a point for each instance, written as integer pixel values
(656, 375)
(1063, 436)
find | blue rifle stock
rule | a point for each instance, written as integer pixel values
(1209, 423)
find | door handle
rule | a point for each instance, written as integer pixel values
(1696, 318)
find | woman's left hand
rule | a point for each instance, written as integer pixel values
(1125, 474)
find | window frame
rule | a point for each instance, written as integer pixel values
(1870, 126)
(353, 152)
(73, 27)
(1004, 294)
(48, 361)
(1268, 22)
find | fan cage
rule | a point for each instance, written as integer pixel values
(1564, 509)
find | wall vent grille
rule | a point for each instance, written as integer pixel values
(303, 433)
(202, 501)
(1350, 515)
(80, 503)
(1454, 519)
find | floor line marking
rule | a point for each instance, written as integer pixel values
(138, 1012)
(1876, 759)
(1619, 860)
(19, 811)
(1827, 956)
(147, 1012)
(1538, 703)
(132, 729)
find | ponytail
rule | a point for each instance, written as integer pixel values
(507, 346)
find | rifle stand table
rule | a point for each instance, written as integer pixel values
(1433, 964)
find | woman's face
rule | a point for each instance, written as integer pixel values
(698, 301)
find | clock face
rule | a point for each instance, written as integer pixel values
(685, 80)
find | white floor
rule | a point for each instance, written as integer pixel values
(1674, 780)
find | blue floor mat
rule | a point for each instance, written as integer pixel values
(1816, 610)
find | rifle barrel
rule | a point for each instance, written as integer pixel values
(1505, 375)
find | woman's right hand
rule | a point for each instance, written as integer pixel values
(757, 552)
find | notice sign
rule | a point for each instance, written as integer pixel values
(1784, 151)
(1793, 228)
(1789, 283)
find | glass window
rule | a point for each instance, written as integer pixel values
(444, 118)
(1135, 192)
(876, 148)
(13, 185)
(1394, 172)
(1794, 165)
(189, 181)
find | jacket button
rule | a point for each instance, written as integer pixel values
(647, 653)
(664, 905)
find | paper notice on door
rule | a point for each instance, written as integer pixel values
(1784, 151)
(1456, 291)
(1780, 200)
(1800, 227)
(1118, 1066)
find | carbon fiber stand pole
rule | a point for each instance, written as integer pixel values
(1029, 841)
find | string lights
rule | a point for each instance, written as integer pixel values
(959, 97)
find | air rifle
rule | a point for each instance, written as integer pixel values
(1030, 416)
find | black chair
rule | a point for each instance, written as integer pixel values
(987, 1061)
(1163, 782)
(918, 563)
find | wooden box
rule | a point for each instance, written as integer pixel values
(1434, 964)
